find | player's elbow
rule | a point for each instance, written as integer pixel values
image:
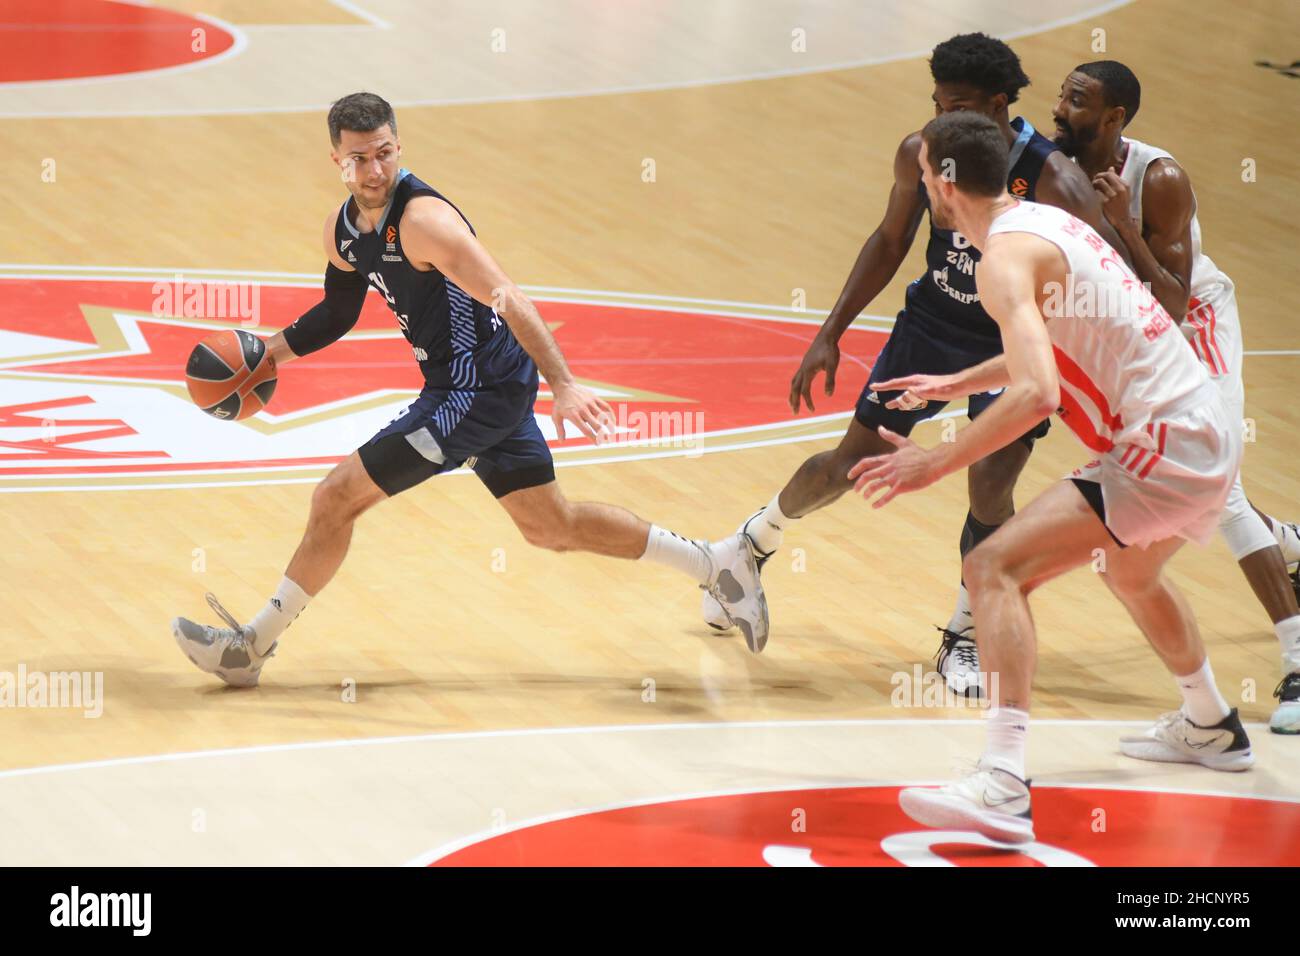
(1045, 398)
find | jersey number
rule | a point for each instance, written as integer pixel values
(402, 320)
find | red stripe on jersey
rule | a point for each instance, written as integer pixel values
(1214, 322)
(1077, 377)
(1077, 420)
(1137, 460)
(1160, 450)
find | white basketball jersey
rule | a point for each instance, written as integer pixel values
(1210, 310)
(1122, 362)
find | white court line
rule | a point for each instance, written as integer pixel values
(352, 8)
(543, 732)
(461, 843)
(573, 94)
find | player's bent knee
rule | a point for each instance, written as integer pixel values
(986, 566)
(341, 498)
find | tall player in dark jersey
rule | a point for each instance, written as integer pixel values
(480, 364)
(942, 326)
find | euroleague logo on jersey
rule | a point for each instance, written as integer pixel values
(92, 389)
(863, 826)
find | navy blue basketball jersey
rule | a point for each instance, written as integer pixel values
(944, 300)
(459, 343)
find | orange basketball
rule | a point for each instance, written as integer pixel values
(230, 375)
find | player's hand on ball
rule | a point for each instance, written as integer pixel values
(581, 406)
(910, 468)
(919, 390)
(822, 356)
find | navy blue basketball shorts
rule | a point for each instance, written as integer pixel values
(910, 351)
(492, 431)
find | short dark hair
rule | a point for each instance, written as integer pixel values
(1119, 87)
(984, 62)
(360, 113)
(976, 148)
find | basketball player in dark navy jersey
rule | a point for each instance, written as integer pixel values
(479, 342)
(941, 329)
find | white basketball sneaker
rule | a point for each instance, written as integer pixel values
(713, 613)
(990, 801)
(737, 590)
(225, 651)
(1286, 719)
(1175, 739)
(958, 661)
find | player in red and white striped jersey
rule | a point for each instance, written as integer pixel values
(1082, 336)
(1148, 198)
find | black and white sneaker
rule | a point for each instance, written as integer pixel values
(1286, 719)
(1175, 739)
(713, 613)
(990, 801)
(735, 585)
(958, 661)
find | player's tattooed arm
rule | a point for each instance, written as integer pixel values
(1163, 257)
(433, 233)
(877, 263)
(1064, 185)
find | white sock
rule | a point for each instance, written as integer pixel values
(767, 526)
(1201, 699)
(962, 620)
(1288, 635)
(1008, 733)
(668, 547)
(278, 614)
(1288, 539)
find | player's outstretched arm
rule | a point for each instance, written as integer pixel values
(1065, 185)
(1007, 278)
(433, 232)
(1163, 259)
(984, 377)
(331, 318)
(881, 255)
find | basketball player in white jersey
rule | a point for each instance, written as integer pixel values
(1081, 337)
(1148, 198)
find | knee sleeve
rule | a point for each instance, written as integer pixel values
(1242, 528)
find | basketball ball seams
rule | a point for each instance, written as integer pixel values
(230, 375)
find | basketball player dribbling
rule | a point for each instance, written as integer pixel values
(1148, 198)
(942, 327)
(1112, 363)
(480, 367)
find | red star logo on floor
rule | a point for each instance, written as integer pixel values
(99, 366)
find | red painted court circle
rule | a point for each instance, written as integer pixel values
(71, 39)
(863, 826)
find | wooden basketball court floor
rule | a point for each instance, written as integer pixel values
(452, 683)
